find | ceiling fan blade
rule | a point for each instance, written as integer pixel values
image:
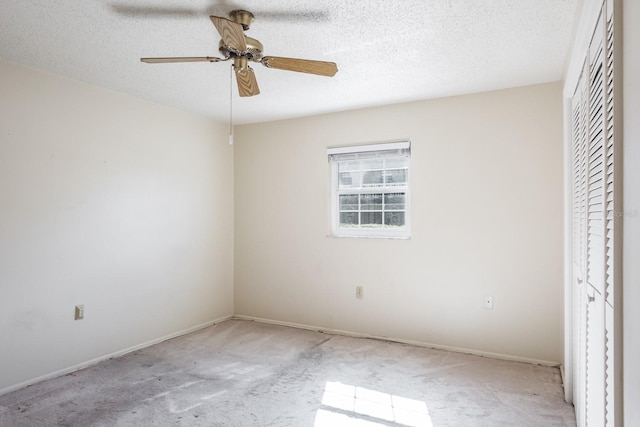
(320, 68)
(247, 83)
(315, 16)
(154, 12)
(182, 59)
(222, 7)
(231, 32)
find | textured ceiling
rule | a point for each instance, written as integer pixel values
(387, 51)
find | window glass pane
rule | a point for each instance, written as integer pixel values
(371, 219)
(371, 202)
(372, 179)
(349, 180)
(395, 177)
(369, 164)
(394, 219)
(348, 219)
(349, 202)
(394, 201)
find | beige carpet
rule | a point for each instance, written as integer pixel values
(241, 373)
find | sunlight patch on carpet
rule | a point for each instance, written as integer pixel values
(353, 406)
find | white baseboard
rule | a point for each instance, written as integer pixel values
(403, 341)
(118, 353)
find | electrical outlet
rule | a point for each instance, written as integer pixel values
(359, 292)
(488, 303)
(79, 313)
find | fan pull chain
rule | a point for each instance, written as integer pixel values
(231, 105)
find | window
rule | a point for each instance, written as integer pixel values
(370, 190)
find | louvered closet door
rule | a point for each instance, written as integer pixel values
(595, 350)
(611, 206)
(594, 205)
(579, 176)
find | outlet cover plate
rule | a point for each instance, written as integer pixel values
(79, 312)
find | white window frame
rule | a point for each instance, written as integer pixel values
(388, 150)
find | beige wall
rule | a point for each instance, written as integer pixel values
(487, 204)
(119, 204)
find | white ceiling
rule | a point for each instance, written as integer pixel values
(387, 51)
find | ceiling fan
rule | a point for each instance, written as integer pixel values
(242, 49)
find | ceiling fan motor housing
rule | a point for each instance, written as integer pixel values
(253, 52)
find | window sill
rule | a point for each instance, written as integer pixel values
(335, 236)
